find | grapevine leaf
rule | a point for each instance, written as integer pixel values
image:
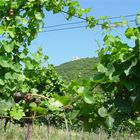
(22, 20)
(101, 68)
(115, 78)
(38, 55)
(65, 100)
(34, 90)
(88, 98)
(24, 88)
(9, 47)
(2, 82)
(127, 71)
(33, 105)
(54, 105)
(41, 110)
(81, 90)
(17, 113)
(99, 77)
(102, 112)
(16, 67)
(11, 33)
(5, 106)
(130, 33)
(109, 122)
(2, 30)
(110, 70)
(38, 16)
(73, 114)
(8, 75)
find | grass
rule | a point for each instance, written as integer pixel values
(15, 132)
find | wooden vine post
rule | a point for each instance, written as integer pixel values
(29, 122)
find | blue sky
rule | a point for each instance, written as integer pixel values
(62, 46)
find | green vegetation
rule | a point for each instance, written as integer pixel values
(77, 69)
(31, 93)
(26, 85)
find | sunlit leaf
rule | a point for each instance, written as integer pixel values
(102, 112)
(38, 16)
(109, 122)
(17, 113)
(2, 30)
(88, 98)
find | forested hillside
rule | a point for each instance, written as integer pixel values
(77, 69)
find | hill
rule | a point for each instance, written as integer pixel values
(77, 69)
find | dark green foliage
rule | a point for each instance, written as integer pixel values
(117, 104)
(118, 76)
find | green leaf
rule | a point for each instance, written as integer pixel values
(54, 105)
(37, 56)
(33, 106)
(81, 90)
(132, 122)
(5, 106)
(24, 88)
(110, 70)
(38, 16)
(109, 122)
(22, 20)
(2, 30)
(99, 77)
(127, 71)
(5, 62)
(46, 57)
(21, 56)
(8, 75)
(101, 68)
(73, 114)
(9, 47)
(115, 78)
(28, 64)
(41, 110)
(16, 67)
(65, 100)
(88, 98)
(15, 75)
(1, 3)
(102, 112)
(34, 90)
(11, 33)
(17, 113)
(130, 33)
(2, 82)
